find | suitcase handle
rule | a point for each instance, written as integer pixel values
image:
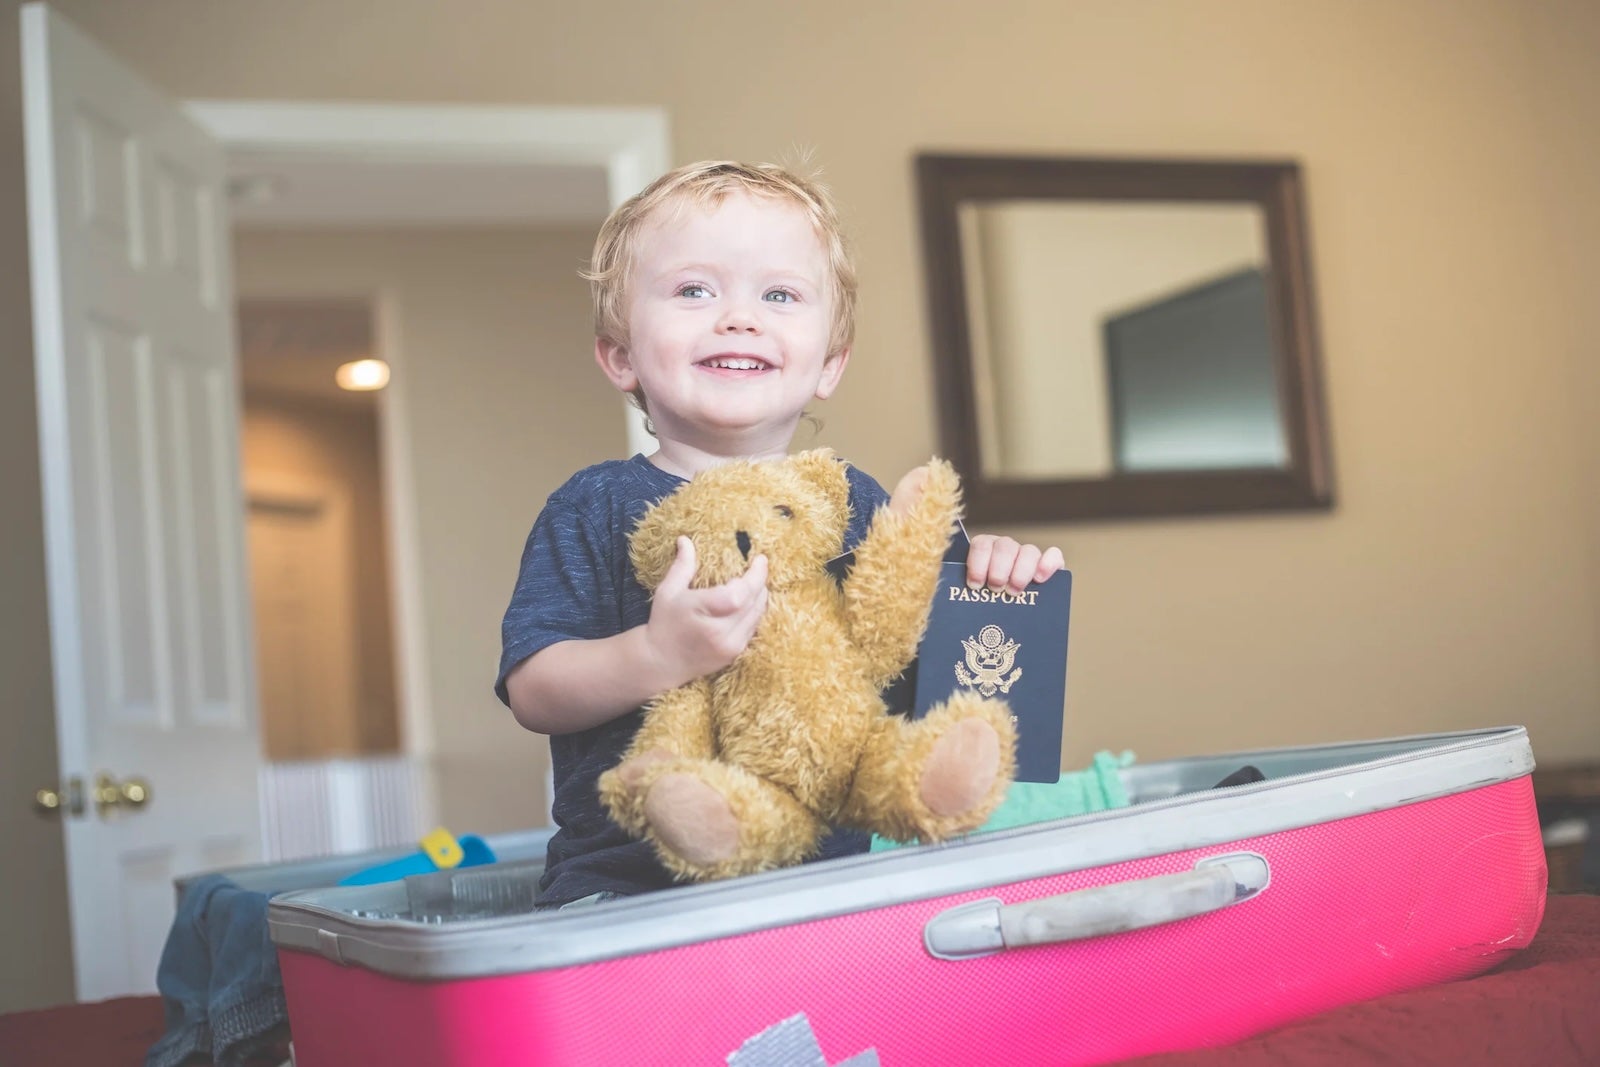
(983, 927)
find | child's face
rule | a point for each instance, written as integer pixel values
(728, 320)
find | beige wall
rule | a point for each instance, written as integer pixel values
(307, 441)
(1449, 147)
(1566, 46)
(503, 402)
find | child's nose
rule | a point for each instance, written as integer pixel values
(737, 320)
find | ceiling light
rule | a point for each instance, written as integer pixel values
(363, 375)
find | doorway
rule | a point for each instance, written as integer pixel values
(334, 777)
(334, 210)
(316, 530)
(325, 167)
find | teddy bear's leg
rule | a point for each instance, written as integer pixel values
(897, 567)
(677, 724)
(713, 820)
(934, 777)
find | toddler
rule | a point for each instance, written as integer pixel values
(724, 303)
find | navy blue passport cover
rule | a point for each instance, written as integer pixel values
(1013, 648)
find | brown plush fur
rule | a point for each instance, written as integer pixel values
(744, 770)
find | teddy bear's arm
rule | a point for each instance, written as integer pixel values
(890, 589)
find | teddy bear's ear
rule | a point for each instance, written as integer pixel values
(821, 470)
(653, 546)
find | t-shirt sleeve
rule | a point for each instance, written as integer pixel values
(565, 589)
(866, 497)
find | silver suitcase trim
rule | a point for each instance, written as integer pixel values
(1173, 811)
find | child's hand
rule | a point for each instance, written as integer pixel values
(695, 632)
(1002, 563)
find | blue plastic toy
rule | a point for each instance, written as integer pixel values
(440, 850)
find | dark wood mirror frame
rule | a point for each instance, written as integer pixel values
(944, 182)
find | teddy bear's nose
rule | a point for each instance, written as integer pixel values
(744, 543)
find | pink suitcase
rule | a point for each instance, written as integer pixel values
(1195, 917)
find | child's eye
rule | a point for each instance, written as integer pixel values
(694, 291)
(784, 510)
(781, 296)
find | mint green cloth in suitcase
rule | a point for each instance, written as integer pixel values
(1097, 788)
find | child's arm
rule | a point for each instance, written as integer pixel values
(574, 685)
(1003, 563)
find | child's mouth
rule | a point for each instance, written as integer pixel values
(736, 364)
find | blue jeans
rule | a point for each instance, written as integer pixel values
(218, 977)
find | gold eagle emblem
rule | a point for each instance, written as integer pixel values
(989, 656)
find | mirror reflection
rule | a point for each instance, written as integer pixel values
(1120, 337)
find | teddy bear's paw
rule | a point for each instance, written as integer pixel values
(932, 488)
(935, 482)
(714, 820)
(967, 770)
(691, 820)
(961, 769)
(633, 774)
(623, 789)
(908, 490)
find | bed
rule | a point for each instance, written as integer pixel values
(1542, 1006)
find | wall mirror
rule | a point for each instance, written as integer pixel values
(1123, 337)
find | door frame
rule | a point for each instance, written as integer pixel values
(630, 144)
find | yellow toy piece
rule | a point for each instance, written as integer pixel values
(442, 848)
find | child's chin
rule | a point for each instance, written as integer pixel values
(744, 417)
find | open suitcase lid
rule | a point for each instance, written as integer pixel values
(378, 927)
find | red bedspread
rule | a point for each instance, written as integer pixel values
(1542, 1006)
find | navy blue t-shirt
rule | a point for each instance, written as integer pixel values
(577, 583)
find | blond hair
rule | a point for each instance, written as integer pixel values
(707, 184)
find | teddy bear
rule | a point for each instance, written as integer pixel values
(744, 770)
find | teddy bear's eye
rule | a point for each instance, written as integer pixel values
(784, 510)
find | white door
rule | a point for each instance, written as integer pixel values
(138, 426)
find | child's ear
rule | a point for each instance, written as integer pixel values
(616, 363)
(832, 371)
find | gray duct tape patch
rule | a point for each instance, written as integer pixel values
(791, 1043)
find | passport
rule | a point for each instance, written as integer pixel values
(1009, 646)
